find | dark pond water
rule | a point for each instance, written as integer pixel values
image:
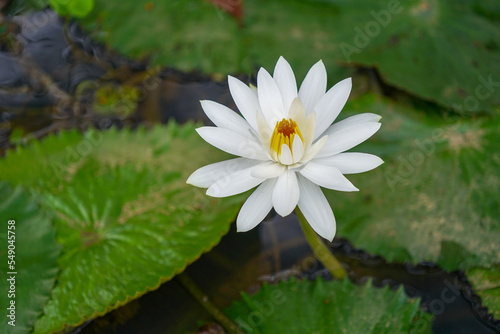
(240, 262)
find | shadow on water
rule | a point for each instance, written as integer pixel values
(276, 249)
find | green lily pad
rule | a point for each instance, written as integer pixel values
(443, 51)
(301, 31)
(27, 230)
(196, 35)
(435, 198)
(74, 8)
(328, 307)
(189, 35)
(486, 283)
(123, 213)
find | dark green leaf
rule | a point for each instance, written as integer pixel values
(486, 283)
(190, 35)
(328, 307)
(435, 198)
(442, 51)
(33, 240)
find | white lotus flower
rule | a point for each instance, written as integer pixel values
(287, 146)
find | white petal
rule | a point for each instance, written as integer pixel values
(268, 170)
(316, 209)
(348, 137)
(315, 148)
(245, 99)
(256, 207)
(265, 131)
(313, 87)
(270, 99)
(234, 183)
(298, 113)
(223, 117)
(330, 105)
(285, 79)
(297, 149)
(351, 162)
(286, 193)
(286, 157)
(232, 142)
(309, 129)
(205, 176)
(349, 121)
(327, 176)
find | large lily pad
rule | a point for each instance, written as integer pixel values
(196, 35)
(435, 198)
(328, 307)
(445, 51)
(34, 261)
(301, 31)
(486, 283)
(124, 215)
(190, 35)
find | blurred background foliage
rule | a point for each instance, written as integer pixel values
(430, 68)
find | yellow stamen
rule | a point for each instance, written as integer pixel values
(284, 133)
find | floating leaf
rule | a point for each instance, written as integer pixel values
(26, 229)
(196, 35)
(190, 35)
(124, 215)
(328, 307)
(74, 8)
(301, 31)
(486, 283)
(435, 198)
(444, 51)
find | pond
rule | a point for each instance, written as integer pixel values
(99, 105)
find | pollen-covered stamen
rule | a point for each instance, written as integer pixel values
(284, 132)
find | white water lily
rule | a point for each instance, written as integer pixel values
(287, 146)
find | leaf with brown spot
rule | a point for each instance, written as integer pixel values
(436, 196)
(124, 215)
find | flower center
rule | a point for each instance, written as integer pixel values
(284, 133)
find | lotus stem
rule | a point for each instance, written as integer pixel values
(320, 250)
